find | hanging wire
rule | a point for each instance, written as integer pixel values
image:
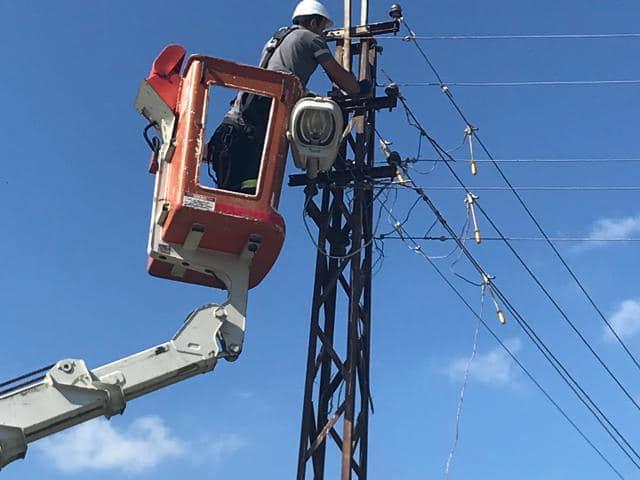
(410, 161)
(350, 254)
(445, 89)
(320, 249)
(464, 236)
(547, 294)
(379, 261)
(377, 244)
(540, 161)
(570, 188)
(558, 366)
(582, 395)
(530, 83)
(464, 232)
(538, 385)
(538, 36)
(542, 36)
(444, 238)
(463, 388)
(553, 301)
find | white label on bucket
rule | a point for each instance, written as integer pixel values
(199, 203)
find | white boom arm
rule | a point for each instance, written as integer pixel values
(70, 393)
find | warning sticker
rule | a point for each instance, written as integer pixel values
(199, 203)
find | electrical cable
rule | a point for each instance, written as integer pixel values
(378, 245)
(464, 232)
(319, 248)
(443, 238)
(449, 95)
(538, 36)
(350, 254)
(463, 388)
(566, 376)
(542, 347)
(542, 161)
(442, 153)
(514, 357)
(553, 301)
(379, 261)
(542, 188)
(464, 236)
(406, 217)
(530, 83)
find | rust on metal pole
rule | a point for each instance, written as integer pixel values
(337, 390)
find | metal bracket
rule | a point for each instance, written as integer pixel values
(30, 413)
(232, 270)
(342, 178)
(359, 103)
(79, 385)
(365, 31)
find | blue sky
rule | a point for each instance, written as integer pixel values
(76, 199)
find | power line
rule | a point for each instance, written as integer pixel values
(544, 161)
(538, 36)
(574, 188)
(535, 278)
(529, 83)
(317, 245)
(556, 364)
(584, 397)
(416, 248)
(443, 238)
(445, 89)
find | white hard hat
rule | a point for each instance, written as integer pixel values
(311, 7)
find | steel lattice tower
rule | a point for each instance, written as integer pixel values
(337, 386)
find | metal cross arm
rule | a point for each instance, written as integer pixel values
(359, 103)
(343, 177)
(366, 31)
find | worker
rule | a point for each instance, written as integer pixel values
(235, 149)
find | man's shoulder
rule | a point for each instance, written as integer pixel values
(304, 35)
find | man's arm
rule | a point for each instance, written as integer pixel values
(341, 77)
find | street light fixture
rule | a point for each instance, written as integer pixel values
(316, 132)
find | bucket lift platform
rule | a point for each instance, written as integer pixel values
(198, 234)
(196, 231)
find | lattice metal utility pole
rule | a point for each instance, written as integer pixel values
(337, 380)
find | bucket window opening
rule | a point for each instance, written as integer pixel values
(236, 128)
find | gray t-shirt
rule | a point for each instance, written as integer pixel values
(299, 53)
